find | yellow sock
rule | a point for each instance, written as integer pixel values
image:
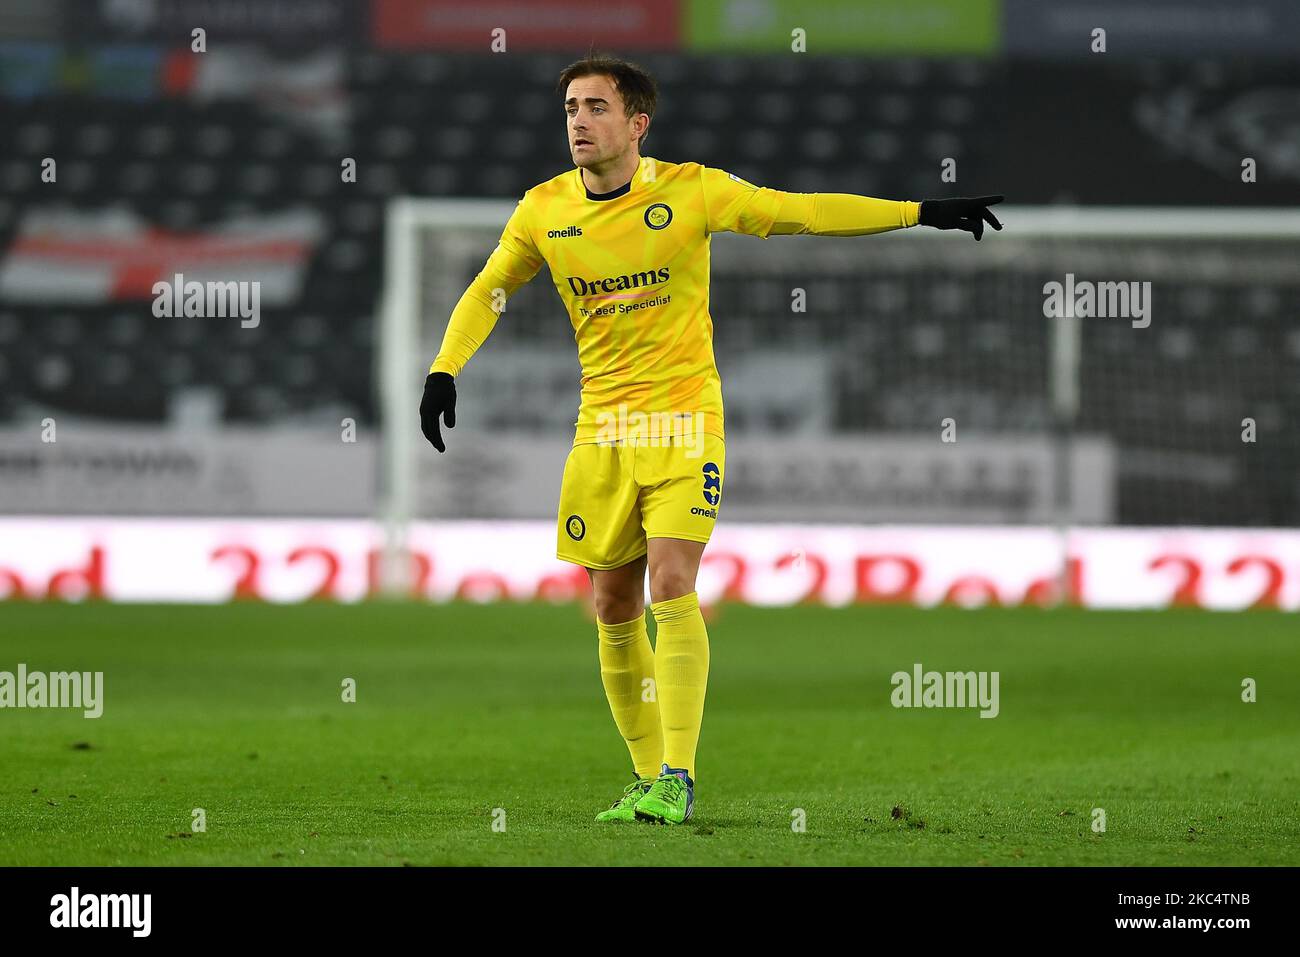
(682, 667)
(626, 661)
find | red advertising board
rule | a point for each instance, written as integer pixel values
(575, 25)
(289, 560)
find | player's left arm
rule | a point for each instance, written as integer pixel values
(844, 214)
(734, 205)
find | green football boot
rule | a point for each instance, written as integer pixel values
(622, 809)
(670, 800)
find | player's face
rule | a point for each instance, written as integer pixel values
(599, 129)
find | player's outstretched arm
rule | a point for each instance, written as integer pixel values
(841, 214)
(844, 214)
(734, 205)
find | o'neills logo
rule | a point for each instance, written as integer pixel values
(637, 280)
(567, 233)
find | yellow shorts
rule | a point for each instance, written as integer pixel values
(617, 495)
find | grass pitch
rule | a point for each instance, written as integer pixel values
(462, 710)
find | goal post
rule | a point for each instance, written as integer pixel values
(403, 354)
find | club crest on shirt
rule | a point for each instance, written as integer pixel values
(658, 216)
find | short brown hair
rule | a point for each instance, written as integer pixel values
(634, 85)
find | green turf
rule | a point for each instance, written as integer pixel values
(463, 709)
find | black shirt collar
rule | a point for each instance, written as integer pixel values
(612, 194)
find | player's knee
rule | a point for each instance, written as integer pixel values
(669, 583)
(613, 607)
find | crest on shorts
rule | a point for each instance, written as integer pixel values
(576, 527)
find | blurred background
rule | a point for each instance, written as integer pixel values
(918, 431)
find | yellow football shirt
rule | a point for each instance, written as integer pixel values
(632, 268)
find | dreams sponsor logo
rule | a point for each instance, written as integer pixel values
(637, 280)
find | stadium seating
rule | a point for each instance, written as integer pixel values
(462, 125)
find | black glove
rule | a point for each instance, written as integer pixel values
(439, 400)
(960, 213)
